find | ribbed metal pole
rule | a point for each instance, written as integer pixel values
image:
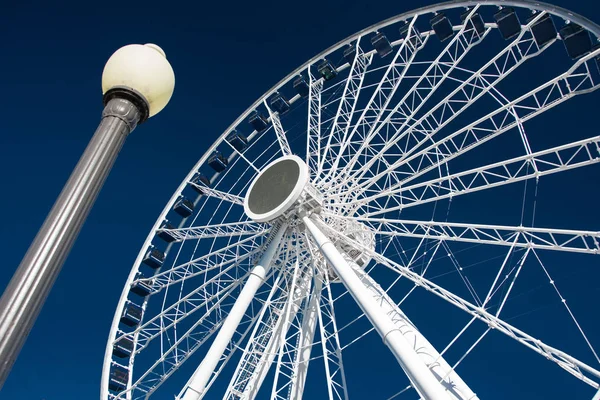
(29, 287)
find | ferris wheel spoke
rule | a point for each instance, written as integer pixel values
(207, 191)
(567, 362)
(383, 94)
(181, 350)
(579, 79)
(330, 343)
(558, 159)
(415, 98)
(226, 230)
(313, 141)
(213, 289)
(261, 349)
(345, 111)
(306, 337)
(564, 303)
(235, 252)
(479, 83)
(288, 353)
(279, 132)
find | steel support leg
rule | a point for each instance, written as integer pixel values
(421, 377)
(194, 389)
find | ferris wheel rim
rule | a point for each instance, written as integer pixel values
(529, 4)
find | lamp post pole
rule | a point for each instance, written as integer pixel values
(137, 83)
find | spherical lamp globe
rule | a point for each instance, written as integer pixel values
(143, 68)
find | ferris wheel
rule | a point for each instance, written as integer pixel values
(421, 187)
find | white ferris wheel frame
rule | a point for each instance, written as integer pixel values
(544, 162)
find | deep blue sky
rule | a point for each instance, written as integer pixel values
(225, 54)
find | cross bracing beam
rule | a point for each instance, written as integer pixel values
(558, 159)
(210, 192)
(414, 99)
(171, 358)
(579, 79)
(569, 363)
(313, 141)
(219, 230)
(330, 344)
(279, 132)
(383, 94)
(568, 240)
(479, 83)
(249, 247)
(288, 349)
(345, 110)
(261, 349)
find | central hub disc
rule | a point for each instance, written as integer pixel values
(277, 189)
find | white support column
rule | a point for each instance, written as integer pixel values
(456, 388)
(194, 389)
(421, 377)
(306, 340)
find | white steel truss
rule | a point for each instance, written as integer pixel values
(384, 135)
(567, 240)
(346, 107)
(435, 75)
(383, 94)
(279, 132)
(313, 137)
(330, 344)
(220, 230)
(466, 94)
(570, 364)
(574, 155)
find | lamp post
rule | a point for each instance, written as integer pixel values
(137, 83)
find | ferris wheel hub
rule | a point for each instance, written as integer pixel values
(282, 189)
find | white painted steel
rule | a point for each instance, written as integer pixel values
(418, 373)
(455, 387)
(387, 135)
(195, 387)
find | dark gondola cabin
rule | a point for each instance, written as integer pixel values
(119, 376)
(475, 24)
(415, 40)
(381, 44)
(198, 181)
(508, 23)
(184, 207)
(164, 232)
(301, 86)
(154, 258)
(258, 121)
(218, 162)
(132, 314)
(238, 141)
(349, 54)
(442, 27)
(142, 287)
(543, 29)
(123, 347)
(279, 103)
(327, 70)
(577, 40)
